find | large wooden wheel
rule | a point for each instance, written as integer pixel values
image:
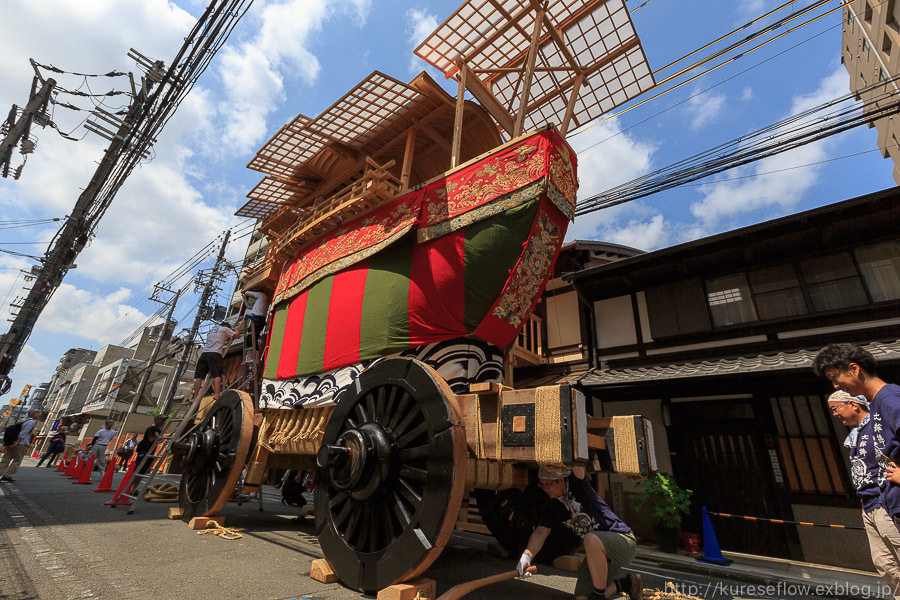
(391, 475)
(213, 454)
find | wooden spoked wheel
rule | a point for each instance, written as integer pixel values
(213, 454)
(391, 475)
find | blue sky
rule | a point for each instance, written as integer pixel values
(299, 56)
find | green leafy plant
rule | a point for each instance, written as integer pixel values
(157, 412)
(669, 502)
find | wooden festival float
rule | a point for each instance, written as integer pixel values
(410, 235)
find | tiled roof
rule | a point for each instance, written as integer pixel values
(802, 359)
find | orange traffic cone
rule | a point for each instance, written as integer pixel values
(74, 466)
(124, 501)
(35, 454)
(86, 471)
(106, 482)
(61, 467)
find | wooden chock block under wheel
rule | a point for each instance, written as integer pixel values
(569, 562)
(198, 523)
(175, 513)
(321, 571)
(425, 589)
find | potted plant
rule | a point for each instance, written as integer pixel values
(669, 503)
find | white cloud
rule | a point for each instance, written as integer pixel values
(419, 24)
(95, 317)
(253, 72)
(747, 94)
(644, 235)
(32, 367)
(751, 7)
(767, 189)
(609, 158)
(705, 108)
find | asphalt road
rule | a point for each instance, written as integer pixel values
(58, 542)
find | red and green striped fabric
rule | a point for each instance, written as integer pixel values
(406, 295)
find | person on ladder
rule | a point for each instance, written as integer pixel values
(257, 304)
(211, 359)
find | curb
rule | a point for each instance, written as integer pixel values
(772, 572)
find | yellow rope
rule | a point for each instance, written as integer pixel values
(626, 450)
(479, 429)
(226, 533)
(264, 432)
(547, 426)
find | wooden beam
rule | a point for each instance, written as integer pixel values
(570, 107)
(529, 72)
(435, 137)
(487, 99)
(561, 44)
(407, 159)
(458, 119)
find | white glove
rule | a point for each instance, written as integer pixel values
(524, 563)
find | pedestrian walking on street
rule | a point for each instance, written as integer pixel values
(884, 539)
(15, 447)
(577, 512)
(57, 447)
(211, 358)
(125, 453)
(101, 440)
(146, 443)
(853, 370)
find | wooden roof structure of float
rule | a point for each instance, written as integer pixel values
(566, 61)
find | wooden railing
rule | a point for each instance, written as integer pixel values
(529, 344)
(376, 186)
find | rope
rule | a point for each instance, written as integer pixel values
(547, 427)
(783, 522)
(263, 432)
(161, 492)
(626, 451)
(226, 533)
(479, 430)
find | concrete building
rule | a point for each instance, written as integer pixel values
(104, 386)
(255, 254)
(871, 54)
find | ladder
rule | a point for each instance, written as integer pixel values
(184, 417)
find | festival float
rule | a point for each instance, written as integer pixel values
(410, 236)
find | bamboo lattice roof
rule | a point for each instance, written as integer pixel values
(354, 120)
(492, 38)
(270, 194)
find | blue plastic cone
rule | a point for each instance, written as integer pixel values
(711, 551)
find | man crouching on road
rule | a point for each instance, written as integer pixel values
(575, 510)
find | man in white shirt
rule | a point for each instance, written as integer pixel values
(15, 451)
(211, 358)
(101, 440)
(257, 312)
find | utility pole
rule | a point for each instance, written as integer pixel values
(202, 312)
(18, 131)
(74, 234)
(145, 377)
(148, 370)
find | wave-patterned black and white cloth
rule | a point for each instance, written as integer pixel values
(460, 362)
